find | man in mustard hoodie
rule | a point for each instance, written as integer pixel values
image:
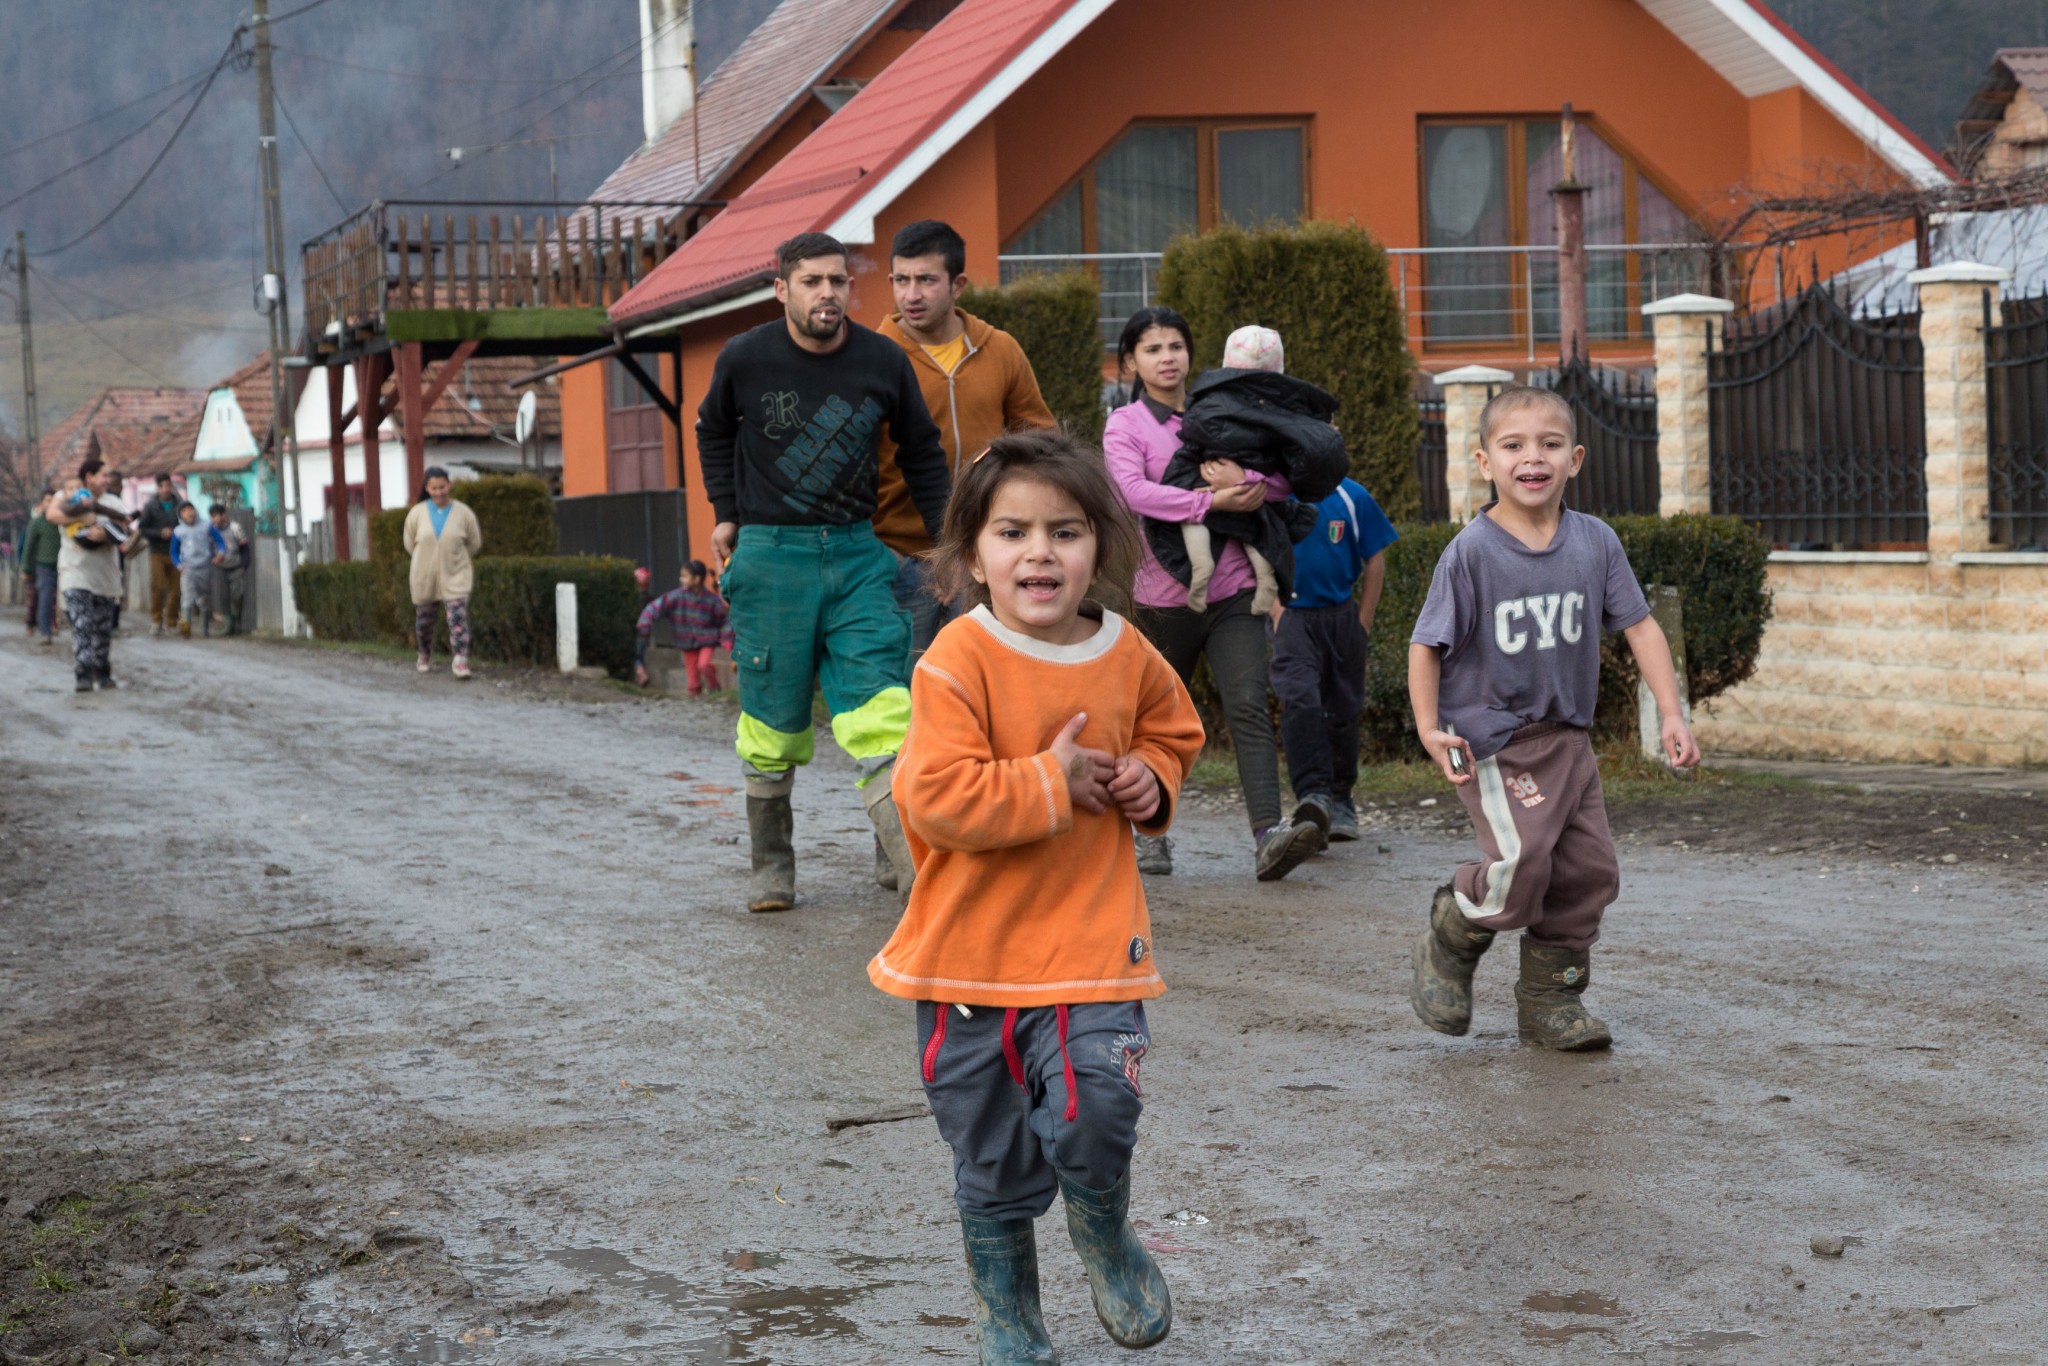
(976, 382)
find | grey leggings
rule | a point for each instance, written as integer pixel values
(1239, 659)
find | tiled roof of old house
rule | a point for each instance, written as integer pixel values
(127, 425)
(740, 104)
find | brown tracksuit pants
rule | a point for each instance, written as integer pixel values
(1549, 865)
(163, 590)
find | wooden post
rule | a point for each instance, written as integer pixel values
(469, 244)
(404, 267)
(1667, 609)
(412, 412)
(497, 259)
(337, 464)
(426, 260)
(1570, 197)
(369, 389)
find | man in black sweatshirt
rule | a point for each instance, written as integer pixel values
(786, 439)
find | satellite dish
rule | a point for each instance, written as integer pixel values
(529, 415)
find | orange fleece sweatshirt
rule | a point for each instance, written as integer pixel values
(991, 391)
(1021, 898)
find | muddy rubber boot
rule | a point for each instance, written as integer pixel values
(771, 827)
(885, 871)
(1445, 956)
(1547, 1007)
(888, 823)
(1002, 1269)
(1130, 1294)
(1155, 855)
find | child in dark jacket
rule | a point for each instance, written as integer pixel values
(697, 618)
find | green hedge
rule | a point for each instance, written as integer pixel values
(1326, 289)
(1716, 563)
(339, 600)
(1053, 317)
(511, 607)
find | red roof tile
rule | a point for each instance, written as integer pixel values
(478, 400)
(126, 425)
(767, 77)
(830, 170)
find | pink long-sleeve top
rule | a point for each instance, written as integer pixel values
(1138, 441)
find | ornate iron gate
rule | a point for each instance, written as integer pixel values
(1617, 422)
(1430, 450)
(1818, 422)
(2016, 374)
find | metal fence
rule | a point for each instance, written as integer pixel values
(1818, 426)
(2016, 374)
(649, 528)
(1432, 450)
(1616, 414)
(1489, 299)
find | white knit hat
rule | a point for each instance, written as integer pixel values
(1254, 348)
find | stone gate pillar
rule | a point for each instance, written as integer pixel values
(1465, 393)
(1679, 325)
(1957, 404)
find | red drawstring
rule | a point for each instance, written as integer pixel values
(1067, 1063)
(1010, 1046)
(931, 1050)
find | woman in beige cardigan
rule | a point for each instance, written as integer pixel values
(442, 535)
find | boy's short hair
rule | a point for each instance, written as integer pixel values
(930, 237)
(805, 246)
(217, 510)
(1520, 396)
(187, 504)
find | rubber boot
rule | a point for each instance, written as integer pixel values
(1002, 1269)
(888, 823)
(1547, 1007)
(885, 871)
(771, 826)
(1445, 956)
(1130, 1294)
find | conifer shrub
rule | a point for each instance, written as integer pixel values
(1326, 289)
(1053, 317)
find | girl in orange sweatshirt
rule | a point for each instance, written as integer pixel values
(1043, 728)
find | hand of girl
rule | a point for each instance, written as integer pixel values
(1222, 474)
(1135, 789)
(1239, 498)
(1088, 770)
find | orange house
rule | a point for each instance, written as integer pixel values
(1094, 130)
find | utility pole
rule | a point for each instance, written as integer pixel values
(31, 424)
(283, 426)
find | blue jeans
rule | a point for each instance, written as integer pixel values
(927, 613)
(46, 599)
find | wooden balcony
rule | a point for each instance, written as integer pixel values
(512, 278)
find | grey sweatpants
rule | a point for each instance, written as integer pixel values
(1549, 865)
(1020, 1103)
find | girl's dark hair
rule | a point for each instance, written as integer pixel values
(433, 472)
(1049, 456)
(697, 569)
(90, 466)
(1143, 321)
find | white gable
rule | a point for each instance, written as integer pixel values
(223, 432)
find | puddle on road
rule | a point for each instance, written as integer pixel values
(1709, 1339)
(1546, 1336)
(671, 1320)
(1578, 1302)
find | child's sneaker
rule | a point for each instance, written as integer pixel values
(424, 664)
(460, 667)
(1285, 847)
(1343, 821)
(1314, 809)
(1155, 855)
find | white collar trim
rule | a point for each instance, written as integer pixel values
(1081, 652)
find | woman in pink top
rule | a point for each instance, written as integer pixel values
(1139, 440)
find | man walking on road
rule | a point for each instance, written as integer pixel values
(159, 520)
(39, 570)
(231, 566)
(787, 438)
(976, 381)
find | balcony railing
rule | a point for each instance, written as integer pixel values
(1480, 299)
(448, 254)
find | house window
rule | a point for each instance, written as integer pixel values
(1159, 180)
(1486, 188)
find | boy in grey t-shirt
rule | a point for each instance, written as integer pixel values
(1503, 673)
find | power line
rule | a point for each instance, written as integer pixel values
(293, 124)
(100, 155)
(553, 83)
(234, 47)
(103, 117)
(93, 332)
(276, 19)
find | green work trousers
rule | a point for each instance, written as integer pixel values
(814, 606)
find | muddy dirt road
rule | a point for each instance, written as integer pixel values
(352, 1016)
